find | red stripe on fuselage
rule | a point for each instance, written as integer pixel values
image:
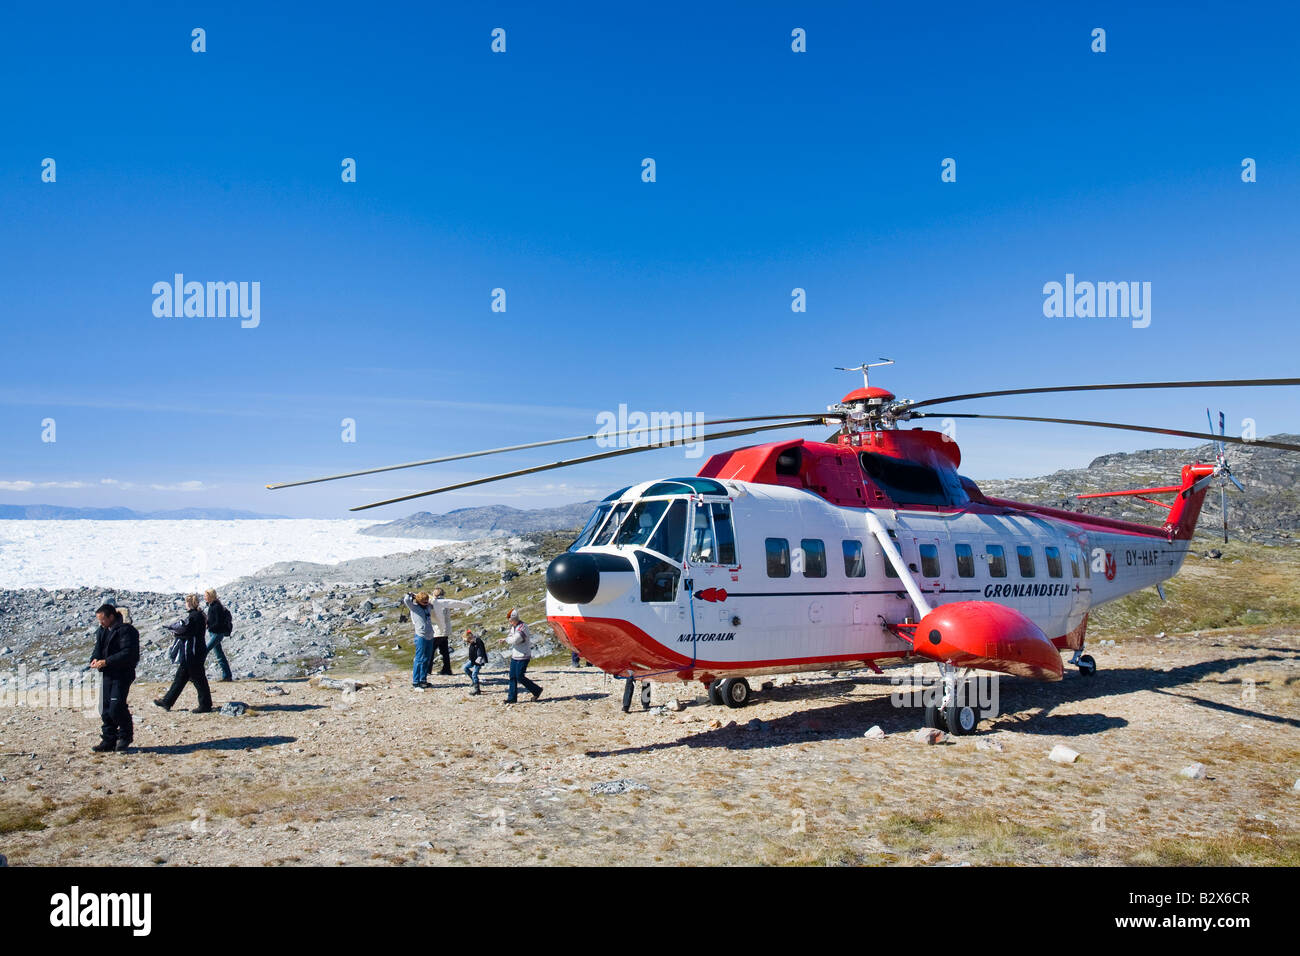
(620, 647)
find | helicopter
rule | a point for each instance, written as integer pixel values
(863, 549)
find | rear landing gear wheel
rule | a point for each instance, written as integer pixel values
(1087, 666)
(715, 693)
(645, 695)
(960, 721)
(735, 692)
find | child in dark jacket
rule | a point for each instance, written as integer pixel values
(476, 659)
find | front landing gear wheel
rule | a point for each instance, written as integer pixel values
(960, 721)
(934, 718)
(645, 695)
(1087, 666)
(735, 692)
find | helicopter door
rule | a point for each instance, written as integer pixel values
(711, 548)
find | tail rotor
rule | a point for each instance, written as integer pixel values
(1222, 471)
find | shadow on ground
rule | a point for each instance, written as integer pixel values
(222, 743)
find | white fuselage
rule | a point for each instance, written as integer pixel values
(798, 596)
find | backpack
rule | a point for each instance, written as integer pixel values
(225, 623)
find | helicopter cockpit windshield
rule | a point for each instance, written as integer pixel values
(655, 529)
(656, 521)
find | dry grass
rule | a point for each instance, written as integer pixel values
(17, 817)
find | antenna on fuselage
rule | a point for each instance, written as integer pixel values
(864, 367)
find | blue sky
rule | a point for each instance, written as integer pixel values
(522, 170)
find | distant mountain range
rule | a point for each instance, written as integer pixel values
(60, 513)
(491, 519)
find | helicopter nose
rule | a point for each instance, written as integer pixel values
(573, 578)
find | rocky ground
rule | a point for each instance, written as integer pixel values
(378, 773)
(335, 759)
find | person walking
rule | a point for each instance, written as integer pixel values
(220, 624)
(475, 659)
(188, 651)
(116, 653)
(440, 610)
(520, 641)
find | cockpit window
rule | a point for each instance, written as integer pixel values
(615, 496)
(704, 549)
(670, 538)
(606, 533)
(686, 486)
(591, 527)
(640, 523)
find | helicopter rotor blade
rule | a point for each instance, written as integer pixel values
(1225, 383)
(1178, 432)
(734, 433)
(527, 445)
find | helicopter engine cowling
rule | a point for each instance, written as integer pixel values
(987, 636)
(578, 577)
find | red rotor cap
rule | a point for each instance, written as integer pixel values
(868, 394)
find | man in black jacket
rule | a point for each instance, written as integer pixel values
(189, 651)
(117, 651)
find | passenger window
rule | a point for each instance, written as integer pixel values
(778, 558)
(814, 558)
(1074, 562)
(997, 561)
(1025, 554)
(965, 561)
(703, 549)
(726, 535)
(930, 561)
(889, 566)
(1053, 562)
(855, 563)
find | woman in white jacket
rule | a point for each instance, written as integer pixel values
(520, 642)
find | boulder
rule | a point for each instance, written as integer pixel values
(617, 786)
(1063, 754)
(875, 733)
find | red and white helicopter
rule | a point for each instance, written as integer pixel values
(866, 548)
